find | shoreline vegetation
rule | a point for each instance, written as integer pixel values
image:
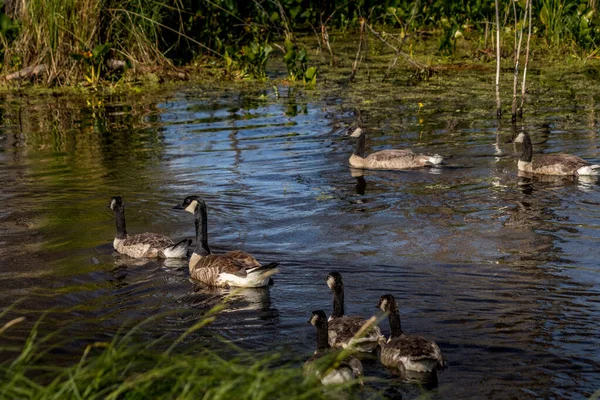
(115, 43)
(167, 367)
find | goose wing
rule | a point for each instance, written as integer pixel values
(343, 329)
(223, 263)
(388, 155)
(154, 240)
(566, 162)
(243, 258)
(411, 349)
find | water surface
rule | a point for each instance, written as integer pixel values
(500, 269)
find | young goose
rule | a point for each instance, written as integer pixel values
(151, 245)
(552, 164)
(342, 329)
(235, 268)
(388, 159)
(348, 369)
(410, 353)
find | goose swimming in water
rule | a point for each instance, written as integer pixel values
(150, 245)
(411, 353)
(234, 268)
(342, 328)
(388, 159)
(552, 164)
(346, 370)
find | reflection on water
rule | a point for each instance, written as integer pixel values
(498, 267)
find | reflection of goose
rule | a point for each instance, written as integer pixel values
(346, 370)
(144, 244)
(412, 353)
(342, 328)
(388, 159)
(552, 164)
(235, 268)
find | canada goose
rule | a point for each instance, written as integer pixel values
(346, 370)
(149, 245)
(388, 159)
(342, 328)
(411, 353)
(552, 164)
(235, 268)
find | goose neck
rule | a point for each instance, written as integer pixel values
(200, 219)
(338, 301)
(527, 153)
(359, 150)
(322, 335)
(395, 326)
(120, 219)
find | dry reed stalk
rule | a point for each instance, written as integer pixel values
(498, 103)
(528, 6)
(358, 57)
(517, 56)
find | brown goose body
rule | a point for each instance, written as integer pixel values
(343, 329)
(343, 370)
(388, 159)
(552, 164)
(406, 352)
(143, 245)
(235, 268)
(412, 353)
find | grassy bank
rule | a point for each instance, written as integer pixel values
(108, 42)
(173, 368)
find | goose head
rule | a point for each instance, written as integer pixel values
(189, 204)
(318, 318)
(520, 137)
(334, 280)
(116, 203)
(357, 132)
(387, 303)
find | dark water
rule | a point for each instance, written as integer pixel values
(501, 270)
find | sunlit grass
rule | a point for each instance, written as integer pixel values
(172, 369)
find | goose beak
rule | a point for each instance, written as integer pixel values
(178, 207)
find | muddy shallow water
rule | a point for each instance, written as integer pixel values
(501, 269)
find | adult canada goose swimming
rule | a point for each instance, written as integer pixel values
(411, 353)
(342, 328)
(235, 268)
(346, 370)
(552, 164)
(151, 245)
(388, 159)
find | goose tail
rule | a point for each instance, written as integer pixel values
(178, 250)
(435, 159)
(589, 170)
(265, 267)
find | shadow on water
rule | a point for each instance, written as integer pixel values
(500, 269)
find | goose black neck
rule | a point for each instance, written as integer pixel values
(338, 301)
(200, 218)
(322, 335)
(120, 217)
(359, 150)
(527, 153)
(395, 327)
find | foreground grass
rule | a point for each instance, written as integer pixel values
(127, 369)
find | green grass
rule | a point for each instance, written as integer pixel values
(125, 368)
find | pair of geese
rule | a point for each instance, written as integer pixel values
(402, 352)
(547, 164)
(234, 268)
